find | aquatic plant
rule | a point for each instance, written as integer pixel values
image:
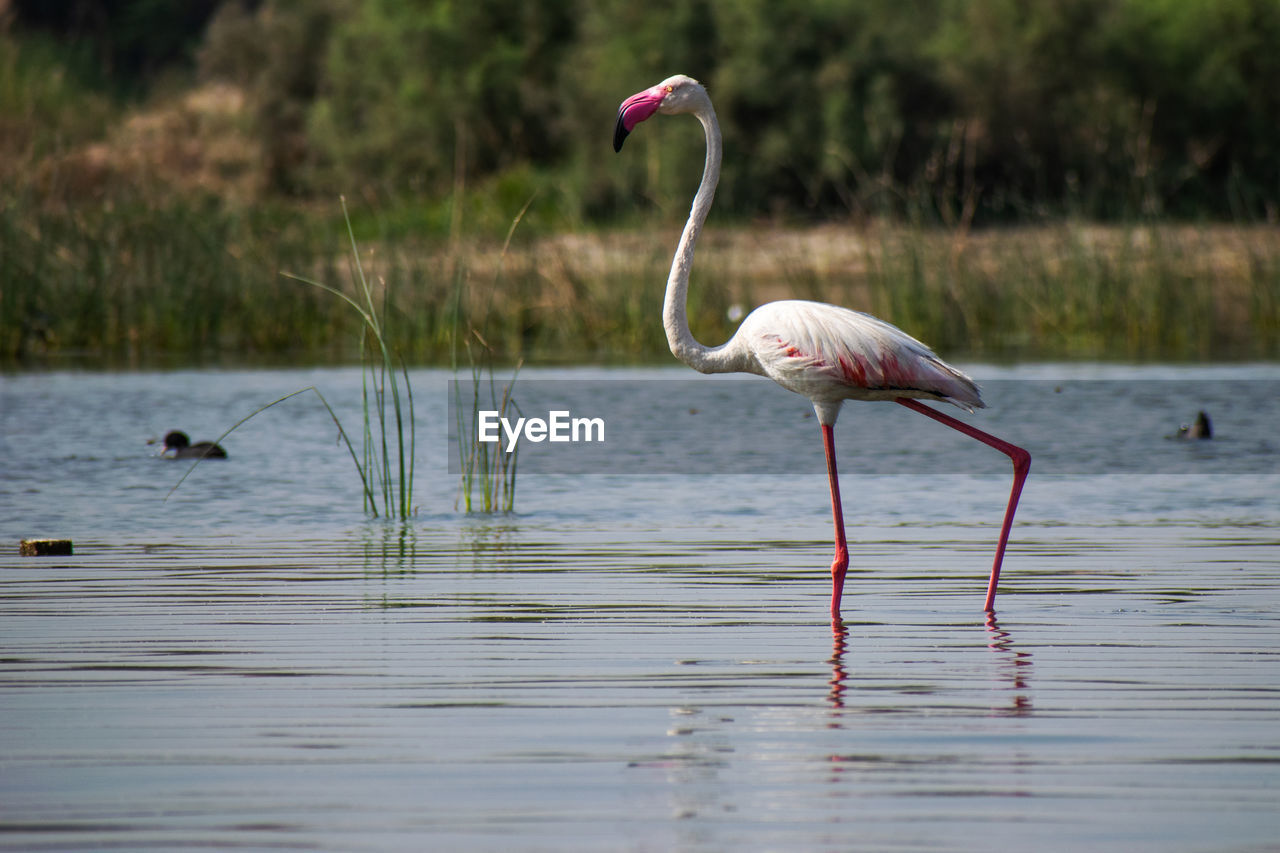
(388, 414)
(483, 465)
(379, 487)
(379, 384)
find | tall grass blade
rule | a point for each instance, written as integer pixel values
(490, 470)
(378, 371)
(364, 480)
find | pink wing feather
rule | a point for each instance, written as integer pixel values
(830, 353)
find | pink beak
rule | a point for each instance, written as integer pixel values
(634, 110)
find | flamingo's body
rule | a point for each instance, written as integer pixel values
(824, 352)
(830, 354)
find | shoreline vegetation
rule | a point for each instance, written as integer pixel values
(1005, 181)
(164, 287)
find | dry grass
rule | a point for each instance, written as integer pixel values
(1168, 291)
(195, 143)
(764, 259)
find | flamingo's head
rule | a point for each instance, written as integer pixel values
(678, 94)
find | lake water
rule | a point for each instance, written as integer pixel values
(639, 658)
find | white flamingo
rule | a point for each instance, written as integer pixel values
(827, 353)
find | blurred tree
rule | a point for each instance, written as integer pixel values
(944, 110)
(416, 94)
(1207, 71)
(1029, 80)
(274, 52)
(133, 39)
(836, 108)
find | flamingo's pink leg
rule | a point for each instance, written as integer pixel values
(1021, 465)
(841, 562)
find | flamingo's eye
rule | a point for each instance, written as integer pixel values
(670, 89)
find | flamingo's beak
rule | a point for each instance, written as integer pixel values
(634, 110)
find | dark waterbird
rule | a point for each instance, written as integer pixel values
(178, 446)
(1201, 429)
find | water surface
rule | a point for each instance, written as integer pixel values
(642, 661)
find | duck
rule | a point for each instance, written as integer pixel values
(1202, 429)
(178, 442)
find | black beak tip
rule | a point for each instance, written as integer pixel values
(619, 134)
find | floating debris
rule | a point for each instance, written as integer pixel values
(45, 547)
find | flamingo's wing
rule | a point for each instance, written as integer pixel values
(831, 353)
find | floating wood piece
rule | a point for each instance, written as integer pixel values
(45, 547)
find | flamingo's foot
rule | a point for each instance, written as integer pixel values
(838, 568)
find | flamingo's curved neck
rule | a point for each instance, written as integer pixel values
(675, 318)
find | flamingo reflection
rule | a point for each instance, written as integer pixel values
(1018, 665)
(1017, 669)
(840, 635)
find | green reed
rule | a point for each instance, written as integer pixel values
(487, 472)
(483, 465)
(380, 384)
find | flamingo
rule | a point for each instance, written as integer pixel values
(824, 352)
